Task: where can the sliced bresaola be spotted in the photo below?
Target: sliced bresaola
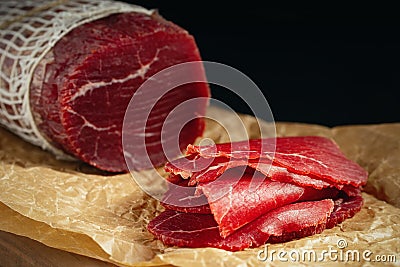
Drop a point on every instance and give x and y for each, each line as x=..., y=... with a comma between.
x=344, y=208
x=313, y=156
x=257, y=194
x=187, y=166
x=81, y=89
x=200, y=230
x=275, y=173
x=237, y=198
x=183, y=198
x=201, y=170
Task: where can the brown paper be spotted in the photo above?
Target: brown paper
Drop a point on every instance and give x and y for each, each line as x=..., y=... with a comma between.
x=74, y=207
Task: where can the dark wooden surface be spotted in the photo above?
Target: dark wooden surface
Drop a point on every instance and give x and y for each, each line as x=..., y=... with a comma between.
x=21, y=251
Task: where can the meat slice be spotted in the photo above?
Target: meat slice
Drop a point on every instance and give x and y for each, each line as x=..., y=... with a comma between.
x=275, y=173
x=313, y=156
x=254, y=197
x=182, y=198
x=200, y=230
x=81, y=89
x=236, y=199
x=239, y=195
x=234, y=204
x=202, y=170
x=187, y=166
x=344, y=208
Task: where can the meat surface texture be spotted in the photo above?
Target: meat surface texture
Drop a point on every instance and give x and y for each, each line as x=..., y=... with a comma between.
x=206, y=171
x=200, y=230
x=82, y=87
x=249, y=198
x=185, y=199
x=307, y=155
x=227, y=199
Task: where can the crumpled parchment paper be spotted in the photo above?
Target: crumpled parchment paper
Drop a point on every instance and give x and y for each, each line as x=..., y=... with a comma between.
x=73, y=207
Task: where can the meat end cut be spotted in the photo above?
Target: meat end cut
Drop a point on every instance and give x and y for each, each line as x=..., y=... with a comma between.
x=81, y=89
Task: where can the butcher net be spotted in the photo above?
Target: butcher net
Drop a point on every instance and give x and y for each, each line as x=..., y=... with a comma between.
x=29, y=29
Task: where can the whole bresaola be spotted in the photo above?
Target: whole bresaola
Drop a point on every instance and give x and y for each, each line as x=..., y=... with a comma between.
x=82, y=88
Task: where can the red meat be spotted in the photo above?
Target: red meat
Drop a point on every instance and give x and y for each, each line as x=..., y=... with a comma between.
x=254, y=197
x=200, y=230
x=226, y=199
x=260, y=196
x=344, y=208
x=182, y=198
x=81, y=89
x=201, y=170
x=236, y=201
x=313, y=156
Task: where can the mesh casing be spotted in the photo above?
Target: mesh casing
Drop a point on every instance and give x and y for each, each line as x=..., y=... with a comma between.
x=28, y=30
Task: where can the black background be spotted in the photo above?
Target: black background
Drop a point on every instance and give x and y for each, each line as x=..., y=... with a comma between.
x=330, y=65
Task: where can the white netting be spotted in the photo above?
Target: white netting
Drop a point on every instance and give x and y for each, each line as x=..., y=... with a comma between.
x=29, y=29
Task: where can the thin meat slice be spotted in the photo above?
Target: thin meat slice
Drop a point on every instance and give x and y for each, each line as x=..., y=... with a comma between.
x=176, y=179
x=202, y=170
x=351, y=191
x=315, y=194
x=194, y=230
x=238, y=198
x=200, y=230
x=189, y=165
x=236, y=204
x=306, y=231
x=344, y=208
x=283, y=175
x=81, y=90
x=266, y=167
x=185, y=199
x=256, y=196
x=306, y=155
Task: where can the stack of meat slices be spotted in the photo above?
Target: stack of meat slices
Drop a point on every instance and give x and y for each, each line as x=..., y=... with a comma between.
x=239, y=195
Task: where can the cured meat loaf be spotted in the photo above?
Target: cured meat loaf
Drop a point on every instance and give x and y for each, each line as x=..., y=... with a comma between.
x=81, y=88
